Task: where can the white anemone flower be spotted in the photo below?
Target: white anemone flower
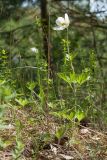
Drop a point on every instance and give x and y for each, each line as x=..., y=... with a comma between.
x=62, y=23
x=35, y=50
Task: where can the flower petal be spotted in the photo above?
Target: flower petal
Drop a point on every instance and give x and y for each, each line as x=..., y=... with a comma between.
x=67, y=21
x=60, y=21
x=58, y=28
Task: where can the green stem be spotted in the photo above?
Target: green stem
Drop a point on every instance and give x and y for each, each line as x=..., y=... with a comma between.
x=67, y=42
x=72, y=67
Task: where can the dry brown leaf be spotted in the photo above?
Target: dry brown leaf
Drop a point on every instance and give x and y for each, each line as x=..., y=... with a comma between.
x=66, y=157
x=84, y=131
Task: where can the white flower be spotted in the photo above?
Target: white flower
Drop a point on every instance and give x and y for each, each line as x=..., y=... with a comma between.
x=62, y=23
x=34, y=50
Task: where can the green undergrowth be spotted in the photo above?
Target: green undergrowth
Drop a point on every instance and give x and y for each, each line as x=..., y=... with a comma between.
x=46, y=111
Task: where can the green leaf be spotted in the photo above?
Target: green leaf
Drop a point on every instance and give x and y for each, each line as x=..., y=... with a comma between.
x=83, y=77
x=64, y=77
x=31, y=85
x=18, y=149
x=2, y=145
x=19, y=126
x=22, y=102
x=60, y=132
x=80, y=115
x=70, y=57
x=42, y=95
x=3, y=52
x=73, y=77
x=71, y=116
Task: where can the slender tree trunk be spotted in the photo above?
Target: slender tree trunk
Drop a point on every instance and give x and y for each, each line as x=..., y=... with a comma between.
x=46, y=35
x=44, y=20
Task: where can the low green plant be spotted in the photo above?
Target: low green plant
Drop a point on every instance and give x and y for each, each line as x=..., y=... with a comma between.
x=17, y=152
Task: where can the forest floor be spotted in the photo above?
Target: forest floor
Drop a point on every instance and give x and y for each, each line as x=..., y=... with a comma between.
x=79, y=143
